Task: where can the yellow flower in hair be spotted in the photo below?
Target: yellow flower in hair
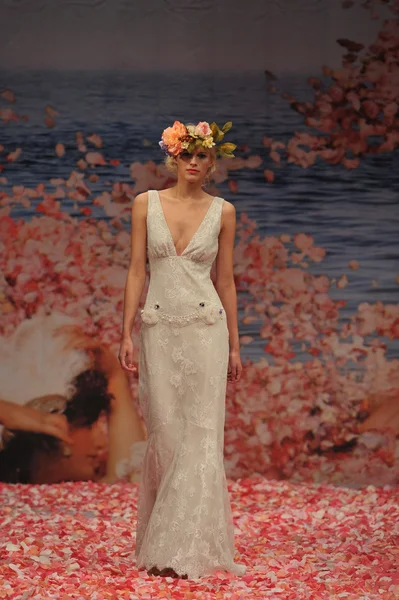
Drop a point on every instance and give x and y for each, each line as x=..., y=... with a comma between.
x=208, y=142
x=191, y=130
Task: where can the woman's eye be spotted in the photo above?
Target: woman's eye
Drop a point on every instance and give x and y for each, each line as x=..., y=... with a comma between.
x=202, y=155
x=185, y=154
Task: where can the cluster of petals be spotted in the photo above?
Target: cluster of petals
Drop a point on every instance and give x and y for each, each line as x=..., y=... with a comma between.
x=357, y=113
x=299, y=410
x=76, y=540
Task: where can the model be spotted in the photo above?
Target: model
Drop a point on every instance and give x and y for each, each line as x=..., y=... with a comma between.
x=189, y=347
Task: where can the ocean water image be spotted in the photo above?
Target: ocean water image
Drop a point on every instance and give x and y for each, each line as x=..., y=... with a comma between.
x=352, y=214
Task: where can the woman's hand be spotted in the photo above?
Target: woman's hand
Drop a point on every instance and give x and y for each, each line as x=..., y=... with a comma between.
x=126, y=356
x=55, y=425
x=235, y=367
x=25, y=418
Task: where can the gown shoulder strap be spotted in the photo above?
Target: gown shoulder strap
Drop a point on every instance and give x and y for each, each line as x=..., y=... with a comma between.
x=219, y=204
x=151, y=202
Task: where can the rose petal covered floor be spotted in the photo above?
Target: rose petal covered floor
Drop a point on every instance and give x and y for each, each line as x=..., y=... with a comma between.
x=76, y=540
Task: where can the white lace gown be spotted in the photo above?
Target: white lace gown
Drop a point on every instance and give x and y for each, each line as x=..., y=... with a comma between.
x=184, y=516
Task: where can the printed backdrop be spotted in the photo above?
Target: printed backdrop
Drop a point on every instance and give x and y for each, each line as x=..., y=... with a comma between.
x=311, y=88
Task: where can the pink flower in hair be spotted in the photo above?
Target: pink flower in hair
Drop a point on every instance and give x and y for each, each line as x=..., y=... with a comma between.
x=202, y=129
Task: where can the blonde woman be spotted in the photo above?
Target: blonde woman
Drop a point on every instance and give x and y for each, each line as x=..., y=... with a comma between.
x=189, y=346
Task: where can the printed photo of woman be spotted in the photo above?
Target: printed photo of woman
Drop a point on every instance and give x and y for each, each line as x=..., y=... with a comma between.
x=66, y=407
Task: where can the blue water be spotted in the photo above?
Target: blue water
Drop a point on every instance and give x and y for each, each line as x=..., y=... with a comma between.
x=352, y=214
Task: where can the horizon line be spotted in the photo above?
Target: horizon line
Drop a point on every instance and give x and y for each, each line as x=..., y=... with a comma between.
x=218, y=71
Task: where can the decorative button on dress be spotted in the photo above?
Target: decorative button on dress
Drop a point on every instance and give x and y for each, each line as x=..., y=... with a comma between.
x=184, y=516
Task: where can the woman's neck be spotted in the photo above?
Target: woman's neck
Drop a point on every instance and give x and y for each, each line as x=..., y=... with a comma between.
x=186, y=191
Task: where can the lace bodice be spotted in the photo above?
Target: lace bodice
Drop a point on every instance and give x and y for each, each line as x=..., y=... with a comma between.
x=179, y=283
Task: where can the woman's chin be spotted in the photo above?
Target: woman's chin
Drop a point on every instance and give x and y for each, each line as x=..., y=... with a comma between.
x=193, y=177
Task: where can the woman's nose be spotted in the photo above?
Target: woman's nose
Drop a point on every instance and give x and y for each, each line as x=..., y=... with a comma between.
x=102, y=454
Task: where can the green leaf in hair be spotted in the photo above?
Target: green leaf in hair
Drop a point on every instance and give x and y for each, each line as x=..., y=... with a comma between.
x=228, y=147
x=227, y=126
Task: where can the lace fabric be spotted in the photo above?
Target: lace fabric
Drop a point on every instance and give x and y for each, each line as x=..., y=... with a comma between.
x=184, y=516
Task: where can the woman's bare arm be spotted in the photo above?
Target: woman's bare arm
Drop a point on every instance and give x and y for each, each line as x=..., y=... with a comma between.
x=137, y=269
x=224, y=280
x=124, y=424
x=135, y=278
x=25, y=418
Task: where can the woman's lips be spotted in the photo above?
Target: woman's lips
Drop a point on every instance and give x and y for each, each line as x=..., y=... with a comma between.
x=192, y=170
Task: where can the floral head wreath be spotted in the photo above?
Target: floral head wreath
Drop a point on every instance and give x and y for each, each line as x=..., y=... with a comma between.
x=180, y=138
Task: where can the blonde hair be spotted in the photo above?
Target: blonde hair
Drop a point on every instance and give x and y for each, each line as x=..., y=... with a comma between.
x=170, y=162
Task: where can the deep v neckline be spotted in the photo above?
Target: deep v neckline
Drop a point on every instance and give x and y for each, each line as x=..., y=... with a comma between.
x=196, y=231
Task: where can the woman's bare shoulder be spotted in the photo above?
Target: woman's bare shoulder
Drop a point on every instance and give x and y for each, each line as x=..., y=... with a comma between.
x=141, y=199
x=140, y=205
x=228, y=208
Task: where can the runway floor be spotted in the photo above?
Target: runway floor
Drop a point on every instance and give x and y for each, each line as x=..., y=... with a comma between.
x=76, y=541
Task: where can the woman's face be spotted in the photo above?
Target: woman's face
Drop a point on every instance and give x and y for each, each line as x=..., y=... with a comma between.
x=89, y=453
x=193, y=167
